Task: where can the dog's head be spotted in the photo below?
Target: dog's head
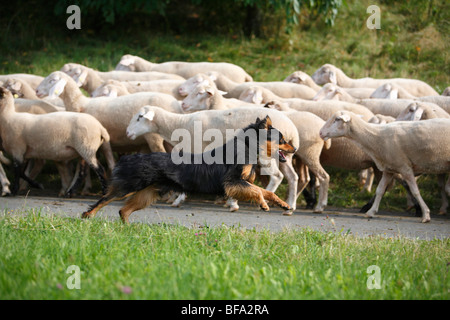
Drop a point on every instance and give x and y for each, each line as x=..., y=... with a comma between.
x=271, y=140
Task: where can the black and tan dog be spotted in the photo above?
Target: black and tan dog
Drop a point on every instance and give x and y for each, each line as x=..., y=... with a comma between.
x=143, y=178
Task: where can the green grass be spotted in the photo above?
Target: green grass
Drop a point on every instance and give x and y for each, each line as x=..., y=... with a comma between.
x=142, y=261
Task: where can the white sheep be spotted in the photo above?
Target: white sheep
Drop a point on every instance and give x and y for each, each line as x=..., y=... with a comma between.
x=393, y=108
x=234, y=90
x=330, y=73
x=58, y=136
x=308, y=126
x=206, y=96
x=32, y=79
x=405, y=148
x=113, y=113
x=90, y=79
x=441, y=101
x=391, y=91
x=301, y=77
x=185, y=69
x=420, y=111
x=342, y=154
x=119, y=88
x=154, y=119
x=21, y=89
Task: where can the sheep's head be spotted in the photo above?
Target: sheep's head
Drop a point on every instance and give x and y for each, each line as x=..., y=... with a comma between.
x=337, y=126
x=252, y=95
x=200, y=98
x=15, y=86
x=78, y=72
x=412, y=112
x=127, y=63
x=299, y=77
x=325, y=74
x=446, y=92
x=6, y=98
x=329, y=92
x=385, y=91
x=52, y=86
x=189, y=85
x=142, y=123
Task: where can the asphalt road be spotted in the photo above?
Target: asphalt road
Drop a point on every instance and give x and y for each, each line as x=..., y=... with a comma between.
x=198, y=213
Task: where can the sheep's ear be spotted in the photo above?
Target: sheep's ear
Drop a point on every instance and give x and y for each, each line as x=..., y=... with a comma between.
x=257, y=97
x=344, y=117
x=222, y=92
x=209, y=90
x=112, y=93
x=81, y=78
x=126, y=62
x=301, y=77
x=393, y=94
x=57, y=89
x=332, y=77
x=16, y=86
x=418, y=114
x=213, y=77
x=150, y=115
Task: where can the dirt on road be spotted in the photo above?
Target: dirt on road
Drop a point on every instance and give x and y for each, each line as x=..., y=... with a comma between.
x=199, y=213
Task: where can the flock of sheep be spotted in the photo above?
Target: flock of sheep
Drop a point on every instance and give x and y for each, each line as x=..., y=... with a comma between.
x=386, y=128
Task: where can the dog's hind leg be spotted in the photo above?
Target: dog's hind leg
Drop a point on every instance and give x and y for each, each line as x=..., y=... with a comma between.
x=140, y=200
x=110, y=196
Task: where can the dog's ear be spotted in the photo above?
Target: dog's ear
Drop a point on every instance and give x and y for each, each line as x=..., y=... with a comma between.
x=268, y=122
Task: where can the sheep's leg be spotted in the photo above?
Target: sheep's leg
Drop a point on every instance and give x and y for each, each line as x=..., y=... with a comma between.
x=410, y=179
x=303, y=176
x=324, y=181
x=444, y=204
x=77, y=178
x=64, y=173
x=19, y=173
x=276, y=177
x=4, y=182
x=292, y=179
x=381, y=189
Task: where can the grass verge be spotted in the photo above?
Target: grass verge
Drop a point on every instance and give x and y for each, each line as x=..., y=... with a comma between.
x=142, y=261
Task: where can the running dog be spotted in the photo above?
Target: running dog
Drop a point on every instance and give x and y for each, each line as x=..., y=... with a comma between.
x=143, y=178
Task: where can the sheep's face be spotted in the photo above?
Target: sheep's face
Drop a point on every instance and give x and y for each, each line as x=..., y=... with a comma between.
x=52, y=86
x=298, y=77
x=328, y=92
x=105, y=90
x=199, y=99
x=15, y=87
x=77, y=72
x=142, y=123
x=252, y=95
x=325, y=74
x=386, y=91
x=336, y=126
x=126, y=63
x=413, y=112
x=189, y=85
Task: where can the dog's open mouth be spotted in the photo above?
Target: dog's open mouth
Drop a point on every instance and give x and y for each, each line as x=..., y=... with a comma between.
x=281, y=156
